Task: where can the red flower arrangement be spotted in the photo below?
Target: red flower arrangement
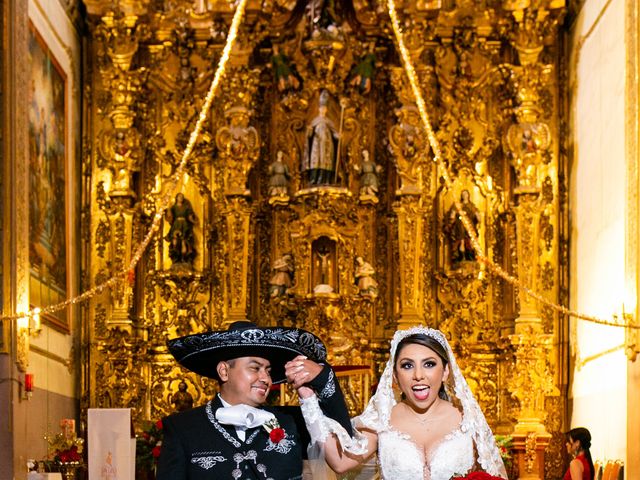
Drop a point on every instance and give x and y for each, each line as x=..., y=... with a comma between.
x=481, y=476
x=66, y=447
x=276, y=432
x=148, y=446
x=70, y=455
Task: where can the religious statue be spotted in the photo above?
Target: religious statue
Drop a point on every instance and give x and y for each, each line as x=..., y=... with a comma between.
x=186, y=74
x=364, y=71
x=123, y=164
x=282, y=279
x=367, y=286
x=368, y=176
x=321, y=146
x=201, y=7
x=182, y=400
x=323, y=19
x=459, y=238
x=278, y=177
x=239, y=148
x=283, y=71
x=180, y=237
x=528, y=143
x=323, y=263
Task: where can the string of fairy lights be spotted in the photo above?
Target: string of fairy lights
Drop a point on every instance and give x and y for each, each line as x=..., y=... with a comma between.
x=176, y=180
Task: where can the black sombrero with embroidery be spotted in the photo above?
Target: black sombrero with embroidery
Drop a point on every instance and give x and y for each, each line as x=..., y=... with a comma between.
x=201, y=352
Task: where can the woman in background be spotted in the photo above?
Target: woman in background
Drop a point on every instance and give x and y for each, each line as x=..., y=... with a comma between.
x=578, y=444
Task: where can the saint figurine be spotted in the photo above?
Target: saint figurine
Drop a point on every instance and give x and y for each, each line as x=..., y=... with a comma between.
x=364, y=72
x=459, y=238
x=324, y=19
x=368, y=176
x=283, y=71
x=282, y=279
x=278, y=177
x=182, y=400
x=367, y=286
x=321, y=146
x=180, y=237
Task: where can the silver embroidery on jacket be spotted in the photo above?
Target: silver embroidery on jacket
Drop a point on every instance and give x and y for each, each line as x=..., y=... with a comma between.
x=208, y=462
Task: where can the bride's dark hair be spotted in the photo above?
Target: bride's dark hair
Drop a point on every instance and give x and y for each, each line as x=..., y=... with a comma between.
x=431, y=343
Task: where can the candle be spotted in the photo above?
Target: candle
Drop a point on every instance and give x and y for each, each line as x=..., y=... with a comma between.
x=28, y=382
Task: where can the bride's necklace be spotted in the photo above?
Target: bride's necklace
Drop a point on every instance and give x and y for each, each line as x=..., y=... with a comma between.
x=425, y=418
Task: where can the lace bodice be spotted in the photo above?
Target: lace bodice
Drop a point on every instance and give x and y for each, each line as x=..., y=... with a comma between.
x=401, y=459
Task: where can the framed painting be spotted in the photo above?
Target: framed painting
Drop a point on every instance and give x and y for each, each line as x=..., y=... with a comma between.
x=49, y=158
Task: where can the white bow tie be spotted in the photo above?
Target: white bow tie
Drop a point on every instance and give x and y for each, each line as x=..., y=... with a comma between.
x=243, y=416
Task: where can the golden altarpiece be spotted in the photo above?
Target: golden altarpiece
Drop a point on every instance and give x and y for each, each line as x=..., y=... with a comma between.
x=312, y=198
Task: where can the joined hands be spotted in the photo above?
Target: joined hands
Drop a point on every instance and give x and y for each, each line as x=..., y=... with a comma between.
x=301, y=371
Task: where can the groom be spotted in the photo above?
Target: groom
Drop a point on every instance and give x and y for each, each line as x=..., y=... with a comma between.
x=235, y=436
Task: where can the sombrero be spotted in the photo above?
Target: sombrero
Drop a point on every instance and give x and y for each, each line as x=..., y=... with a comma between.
x=201, y=352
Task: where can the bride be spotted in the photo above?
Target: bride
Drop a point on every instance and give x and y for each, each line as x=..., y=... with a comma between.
x=433, y=429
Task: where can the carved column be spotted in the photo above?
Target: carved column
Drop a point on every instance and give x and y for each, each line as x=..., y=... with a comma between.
x=410, y=155
x=238, y=145
x=238, y=215
x=528, y=142
x=118, y=156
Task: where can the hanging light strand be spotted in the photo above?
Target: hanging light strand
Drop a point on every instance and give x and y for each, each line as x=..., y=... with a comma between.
x=468, y=226
x=174, y=181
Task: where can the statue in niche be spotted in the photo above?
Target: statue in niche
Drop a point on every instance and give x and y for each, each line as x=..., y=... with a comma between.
x=282, y=279
x=201, y=7
x=182, y=400
x=323, y=251
x=528, y=145
x=181, y=239
x=461, y=249
x=368, y=177
x=122, y=155
x=364, y=71
x=278, y=177
x=367, y=286
x=239, y=148
x=324, y=20
x=321, y=146
x=283, y=71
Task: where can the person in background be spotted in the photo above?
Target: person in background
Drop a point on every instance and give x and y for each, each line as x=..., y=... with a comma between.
x=578, y=445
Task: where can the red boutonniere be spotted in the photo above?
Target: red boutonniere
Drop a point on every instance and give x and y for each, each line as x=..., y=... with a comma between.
x=276, y=432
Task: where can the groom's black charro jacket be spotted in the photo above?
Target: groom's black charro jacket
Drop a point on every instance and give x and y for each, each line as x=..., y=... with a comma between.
x=197, y=447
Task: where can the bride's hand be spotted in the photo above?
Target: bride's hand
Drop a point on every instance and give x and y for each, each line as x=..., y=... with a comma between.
x=305, y=392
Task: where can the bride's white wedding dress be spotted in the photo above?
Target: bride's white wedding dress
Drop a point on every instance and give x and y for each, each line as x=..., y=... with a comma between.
x=401, y=459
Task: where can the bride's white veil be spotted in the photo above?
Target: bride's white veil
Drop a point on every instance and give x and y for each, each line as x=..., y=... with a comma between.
x=376, y=415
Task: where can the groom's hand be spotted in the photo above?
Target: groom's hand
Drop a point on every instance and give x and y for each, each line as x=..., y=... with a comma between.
x=301, y=371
